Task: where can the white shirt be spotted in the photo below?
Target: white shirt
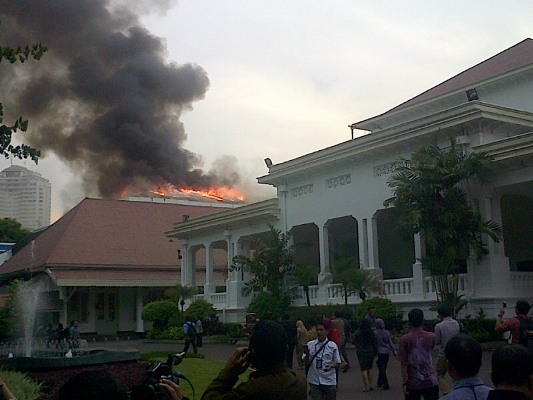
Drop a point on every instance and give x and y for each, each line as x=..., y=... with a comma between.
x=328, y=356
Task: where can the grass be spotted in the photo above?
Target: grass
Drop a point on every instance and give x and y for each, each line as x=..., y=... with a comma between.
x=22, y=387
x=199, y=371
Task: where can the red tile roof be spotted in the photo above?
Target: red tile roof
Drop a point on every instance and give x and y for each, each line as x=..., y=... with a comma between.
x=107, y=233
x=514, y=58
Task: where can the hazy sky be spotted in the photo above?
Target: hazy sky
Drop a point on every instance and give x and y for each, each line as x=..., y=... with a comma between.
x=288, y=77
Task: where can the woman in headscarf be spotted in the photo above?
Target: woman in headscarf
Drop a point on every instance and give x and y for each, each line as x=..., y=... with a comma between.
x=302, y=337
x=385, y=345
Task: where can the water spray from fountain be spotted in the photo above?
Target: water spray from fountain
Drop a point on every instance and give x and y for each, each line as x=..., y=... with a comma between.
x=26, y=301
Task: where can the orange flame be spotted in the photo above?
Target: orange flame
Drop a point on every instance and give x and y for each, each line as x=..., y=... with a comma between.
x=219, y=194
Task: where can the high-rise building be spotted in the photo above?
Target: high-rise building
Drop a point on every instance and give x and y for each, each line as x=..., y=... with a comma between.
x=25, y=196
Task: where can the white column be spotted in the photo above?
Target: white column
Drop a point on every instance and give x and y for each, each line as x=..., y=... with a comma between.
x=139, y=304
x=234, y=284
x=492, y=277
x=186, y=261
x=324, y=276
x=418, y=290
x=209, y=286
x=362, y=231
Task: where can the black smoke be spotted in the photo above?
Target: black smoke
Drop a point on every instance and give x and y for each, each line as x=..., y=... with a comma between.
x=103, y=98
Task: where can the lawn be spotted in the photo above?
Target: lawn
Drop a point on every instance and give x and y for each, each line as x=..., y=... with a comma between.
x=199, y=371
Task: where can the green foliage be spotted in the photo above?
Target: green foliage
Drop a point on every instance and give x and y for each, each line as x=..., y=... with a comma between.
x=11, y=231
x=22, y=387
x=168, y=333
x=9, y=324
x=233, y=330
x=201, y=308
x=429, y=198
x=13, y=55
x=385, y=309
x=270, y=305
x=302, y=275
x=180, y=293
x=347, y=272
x=160, y=313
x=272, y=261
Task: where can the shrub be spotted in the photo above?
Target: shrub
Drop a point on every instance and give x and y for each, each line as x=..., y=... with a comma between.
x=234, y=330
x=269, y=306
x=160, y=313
x=385, y=309
x=200, y=308
x=170, y=333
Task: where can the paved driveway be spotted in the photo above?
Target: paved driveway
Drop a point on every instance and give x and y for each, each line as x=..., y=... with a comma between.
x=350, y=383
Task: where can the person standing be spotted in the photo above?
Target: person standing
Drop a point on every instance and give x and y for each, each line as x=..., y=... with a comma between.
x=272, y=379
x=371, y=315
x=302, y=338
x=418, y=373
x=340, y=325
x=444, y=331
x=199, y=332
x=189, y=328
x=463, y=361
x=366, y=344
x=384, y=346
x=74, y=334
x=513, y=325
x=290, y=331
x=322, y=358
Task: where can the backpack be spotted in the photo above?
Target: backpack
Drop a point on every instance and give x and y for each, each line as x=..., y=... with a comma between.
x=526, y=331
x=191, y=332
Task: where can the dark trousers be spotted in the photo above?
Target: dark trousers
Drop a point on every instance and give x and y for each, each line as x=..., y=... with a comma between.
x=431, y=393
x=382, y=361
x=290, y=354
x=189, y=341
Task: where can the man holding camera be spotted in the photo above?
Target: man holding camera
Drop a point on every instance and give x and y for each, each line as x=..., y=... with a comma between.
x=272, y=378
x=513, y=325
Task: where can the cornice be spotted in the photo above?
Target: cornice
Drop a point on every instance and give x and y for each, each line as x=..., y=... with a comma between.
x=250, y=214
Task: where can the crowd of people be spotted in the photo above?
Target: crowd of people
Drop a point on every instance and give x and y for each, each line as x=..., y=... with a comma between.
x=320, y=349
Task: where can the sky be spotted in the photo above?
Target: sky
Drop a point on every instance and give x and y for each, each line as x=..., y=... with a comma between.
x=286, y=78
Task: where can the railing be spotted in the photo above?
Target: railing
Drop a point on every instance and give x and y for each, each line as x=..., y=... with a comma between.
x=218, y=299
x=522, y=280
x=462, y=284
x=393, y=287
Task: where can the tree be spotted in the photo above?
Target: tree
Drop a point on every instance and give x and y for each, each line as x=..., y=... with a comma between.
x=11, y=231
x=180, y=293
x=353, y=279
x=271, y=263
x=429, y=196
x=303, y=275
x=12, y=55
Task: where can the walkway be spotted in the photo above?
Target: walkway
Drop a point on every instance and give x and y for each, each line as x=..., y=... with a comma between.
x=350, y=385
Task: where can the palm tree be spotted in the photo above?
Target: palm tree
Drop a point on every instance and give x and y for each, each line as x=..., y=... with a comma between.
x=429, y=196
x=353, y=279
x=180, y=293
x=302, y=275
x=272, y=261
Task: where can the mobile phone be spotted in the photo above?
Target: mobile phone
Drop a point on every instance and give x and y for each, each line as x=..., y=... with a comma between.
x=504, y=304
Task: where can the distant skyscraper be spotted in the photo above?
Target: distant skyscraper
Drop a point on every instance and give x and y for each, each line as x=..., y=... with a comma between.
x=25, y=196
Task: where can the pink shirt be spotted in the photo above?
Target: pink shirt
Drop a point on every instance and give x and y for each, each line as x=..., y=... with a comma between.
x=415, y=351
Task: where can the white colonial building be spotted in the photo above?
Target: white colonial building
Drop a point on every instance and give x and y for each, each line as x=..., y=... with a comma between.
x=332, y=200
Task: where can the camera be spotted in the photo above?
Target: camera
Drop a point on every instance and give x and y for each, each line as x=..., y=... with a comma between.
x=150, y=389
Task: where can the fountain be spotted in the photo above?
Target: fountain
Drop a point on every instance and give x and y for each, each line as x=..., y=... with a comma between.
x=31, y=354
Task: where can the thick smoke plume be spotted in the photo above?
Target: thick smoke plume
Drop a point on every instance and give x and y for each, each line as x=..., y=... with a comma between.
x=103, y=98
